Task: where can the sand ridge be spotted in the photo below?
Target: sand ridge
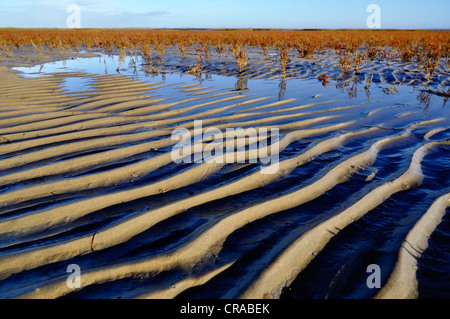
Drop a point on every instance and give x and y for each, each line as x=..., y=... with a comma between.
x=85, y=174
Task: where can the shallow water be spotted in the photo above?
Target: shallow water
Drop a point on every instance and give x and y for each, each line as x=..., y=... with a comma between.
x=226, y=268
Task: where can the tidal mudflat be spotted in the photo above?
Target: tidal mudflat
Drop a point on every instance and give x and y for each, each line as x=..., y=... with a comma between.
x=88, y=178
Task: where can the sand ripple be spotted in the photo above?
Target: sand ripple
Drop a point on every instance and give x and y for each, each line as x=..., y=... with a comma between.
x=87, y=178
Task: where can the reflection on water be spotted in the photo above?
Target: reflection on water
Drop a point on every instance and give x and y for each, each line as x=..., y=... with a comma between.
x=426, y=94
x=351, y=89
x=425, y=99
x=129, y=65
x=282, y=88
x=241, y=84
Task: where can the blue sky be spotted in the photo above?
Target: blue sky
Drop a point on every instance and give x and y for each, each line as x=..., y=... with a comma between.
x=290, y=14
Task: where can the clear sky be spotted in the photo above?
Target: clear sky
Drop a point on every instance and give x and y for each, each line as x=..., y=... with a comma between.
x=289, y=14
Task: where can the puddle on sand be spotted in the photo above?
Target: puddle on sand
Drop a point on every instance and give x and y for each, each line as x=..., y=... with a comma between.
x=303, y=90
x=375, y=238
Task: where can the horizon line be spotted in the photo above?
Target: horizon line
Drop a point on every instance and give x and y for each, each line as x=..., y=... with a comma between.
x=230, y=29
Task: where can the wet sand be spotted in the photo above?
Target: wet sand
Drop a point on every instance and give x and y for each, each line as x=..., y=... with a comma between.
x=88, y=178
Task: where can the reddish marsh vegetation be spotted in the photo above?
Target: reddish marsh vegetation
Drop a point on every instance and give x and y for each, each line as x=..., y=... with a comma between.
x=354, y=47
